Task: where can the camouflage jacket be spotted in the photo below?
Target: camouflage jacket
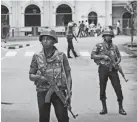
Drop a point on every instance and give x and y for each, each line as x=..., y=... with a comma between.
x=104, y=49
x=50, y=67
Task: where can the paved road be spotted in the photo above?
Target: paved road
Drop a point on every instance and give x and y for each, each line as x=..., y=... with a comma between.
x=17, y=89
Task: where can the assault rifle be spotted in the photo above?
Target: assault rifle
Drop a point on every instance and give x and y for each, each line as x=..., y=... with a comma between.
x=118, y=67
x=60, y=94
x=113, y=62
x=54, y=88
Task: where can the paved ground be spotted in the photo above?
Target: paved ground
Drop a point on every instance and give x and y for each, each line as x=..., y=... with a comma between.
x=17, y=89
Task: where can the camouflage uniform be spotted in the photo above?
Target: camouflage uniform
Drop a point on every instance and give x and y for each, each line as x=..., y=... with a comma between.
x=107, y=70
x=50, y=67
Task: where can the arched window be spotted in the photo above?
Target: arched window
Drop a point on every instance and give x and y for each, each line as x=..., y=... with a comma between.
x=63, y=15
x=92, y=18
x=4, y=15
x=126, y=20
x=4, y=21
x=32, y=16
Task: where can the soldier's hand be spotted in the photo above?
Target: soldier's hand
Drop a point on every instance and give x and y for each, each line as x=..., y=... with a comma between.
x=115, y=65
x=42, y=78
x=106, y=57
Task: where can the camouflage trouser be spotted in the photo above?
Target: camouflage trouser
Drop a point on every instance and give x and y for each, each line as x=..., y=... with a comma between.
x=44, y=108
x=104, y=74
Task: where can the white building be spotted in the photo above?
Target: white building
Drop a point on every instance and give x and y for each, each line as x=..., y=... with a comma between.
x=23, y=15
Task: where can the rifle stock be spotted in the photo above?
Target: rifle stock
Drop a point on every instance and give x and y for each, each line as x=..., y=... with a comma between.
x=121, y=72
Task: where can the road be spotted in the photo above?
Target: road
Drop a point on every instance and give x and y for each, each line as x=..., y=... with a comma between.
x=20, y=95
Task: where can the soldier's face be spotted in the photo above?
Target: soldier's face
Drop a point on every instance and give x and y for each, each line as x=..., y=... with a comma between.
x=108, y=38
x=47, y=41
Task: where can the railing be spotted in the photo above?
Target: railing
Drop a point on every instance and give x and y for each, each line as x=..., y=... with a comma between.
x=34, y=30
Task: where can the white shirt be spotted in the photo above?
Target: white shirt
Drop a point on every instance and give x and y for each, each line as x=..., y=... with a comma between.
x=86, y=24
x=118, y=24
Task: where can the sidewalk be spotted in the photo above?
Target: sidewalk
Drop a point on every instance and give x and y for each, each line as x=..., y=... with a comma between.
x=133, y=48
x=18, y=42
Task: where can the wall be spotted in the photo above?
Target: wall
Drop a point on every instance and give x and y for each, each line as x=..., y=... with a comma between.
x=83, y=8
x=117, y=13
x=104, y=10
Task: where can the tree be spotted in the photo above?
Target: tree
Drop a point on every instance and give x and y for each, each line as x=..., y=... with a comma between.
x=132, y=8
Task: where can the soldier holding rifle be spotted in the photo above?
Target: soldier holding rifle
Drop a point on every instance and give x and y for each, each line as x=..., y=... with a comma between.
x=108, y=57
x=51, y=74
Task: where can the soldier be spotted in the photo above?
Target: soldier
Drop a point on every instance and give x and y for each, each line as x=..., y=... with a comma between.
x=107, y=69
x=51, y=74
x=70, y=36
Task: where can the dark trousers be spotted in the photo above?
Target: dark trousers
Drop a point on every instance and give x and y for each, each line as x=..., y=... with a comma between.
x=86, y=31
x=44, y=108
x=104, y=74
x=70, y=47
x=79, y=31
x=118, y=30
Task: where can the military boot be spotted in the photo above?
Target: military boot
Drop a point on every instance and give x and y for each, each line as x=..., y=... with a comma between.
x=104, y=110
x=121, y=110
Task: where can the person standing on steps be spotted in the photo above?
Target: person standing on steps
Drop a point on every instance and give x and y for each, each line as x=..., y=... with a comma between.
x=101, y=54
x=70, y=35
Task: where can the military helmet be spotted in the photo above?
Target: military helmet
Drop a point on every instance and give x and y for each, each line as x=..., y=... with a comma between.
x=108, y=32
x=48, y=32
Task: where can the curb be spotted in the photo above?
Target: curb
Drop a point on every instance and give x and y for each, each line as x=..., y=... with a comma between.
x=15, y=47
x=133, y=51
x=132, y=45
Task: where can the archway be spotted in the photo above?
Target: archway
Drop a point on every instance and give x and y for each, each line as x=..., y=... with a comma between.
x=92, y=17
x=32, y=19
x=126, y=20
x=32, y=16
x=4, y=21
x=63, y=15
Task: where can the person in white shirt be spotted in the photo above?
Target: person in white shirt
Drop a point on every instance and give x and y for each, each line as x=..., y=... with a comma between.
x=118, y=27
x=92, y=25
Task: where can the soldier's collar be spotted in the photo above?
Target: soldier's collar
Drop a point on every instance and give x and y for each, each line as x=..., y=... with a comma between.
x=108, y=45
x=52, y=53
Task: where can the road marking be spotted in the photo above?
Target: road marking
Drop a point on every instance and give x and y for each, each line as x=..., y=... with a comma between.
x=11, y=53
x=124, y=54
x=29, y=53
x=3, y=58
x=84, y=54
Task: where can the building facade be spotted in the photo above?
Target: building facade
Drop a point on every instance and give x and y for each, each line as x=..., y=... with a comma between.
x=25, y=16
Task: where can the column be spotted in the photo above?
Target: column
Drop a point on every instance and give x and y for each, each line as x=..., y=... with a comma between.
x=108, y=12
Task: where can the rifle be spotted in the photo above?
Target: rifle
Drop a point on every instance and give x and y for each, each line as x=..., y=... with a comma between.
x=118, y=67
x=60, y=94
x=54, y=88
x=67, y=104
